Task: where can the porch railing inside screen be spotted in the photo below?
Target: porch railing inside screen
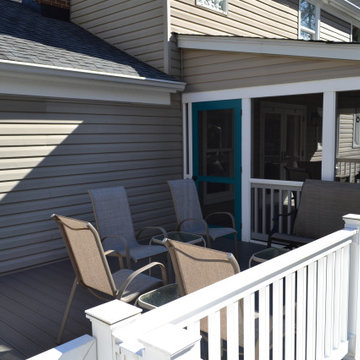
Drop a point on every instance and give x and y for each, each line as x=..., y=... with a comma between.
x=295, y=307
x=348, y=169
x=268, y=199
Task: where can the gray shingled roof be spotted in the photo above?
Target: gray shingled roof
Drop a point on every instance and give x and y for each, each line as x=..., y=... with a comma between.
x=28, y=37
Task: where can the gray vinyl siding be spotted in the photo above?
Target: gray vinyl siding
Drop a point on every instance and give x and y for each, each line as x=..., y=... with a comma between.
x=136, y=27
x=346, y=132
x=334, y=29
x=52, y=152
x=258, y=18
x=215, y=70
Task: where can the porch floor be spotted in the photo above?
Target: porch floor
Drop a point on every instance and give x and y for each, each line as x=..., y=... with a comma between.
x=32, y=304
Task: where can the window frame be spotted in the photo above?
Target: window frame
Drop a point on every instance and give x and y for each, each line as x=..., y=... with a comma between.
x=356, y=130
x=201, y=3
x=316, y=32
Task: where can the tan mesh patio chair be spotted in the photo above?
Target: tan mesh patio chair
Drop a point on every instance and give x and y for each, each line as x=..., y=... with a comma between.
x=92, y=270
x=189, y=215
x=196, y=267
x=114, y=223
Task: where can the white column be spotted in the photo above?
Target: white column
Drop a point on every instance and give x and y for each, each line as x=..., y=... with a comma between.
x=328, y=136
x=246, y=169
x=105, y=319
x=352, y=222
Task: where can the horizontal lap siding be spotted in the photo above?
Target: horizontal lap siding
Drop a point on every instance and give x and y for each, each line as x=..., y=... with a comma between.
x=257, y=18
x=51, y=153
x=334, y=29
x=136, y=27
x=216, y=70
x=346, y=131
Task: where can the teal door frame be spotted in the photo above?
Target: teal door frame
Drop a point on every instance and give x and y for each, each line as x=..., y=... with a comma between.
x=236, y=180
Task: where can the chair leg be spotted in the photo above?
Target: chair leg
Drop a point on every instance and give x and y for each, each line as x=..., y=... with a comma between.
x=236, y=246
x=67, y=311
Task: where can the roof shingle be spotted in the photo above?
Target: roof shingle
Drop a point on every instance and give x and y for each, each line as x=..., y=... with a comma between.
x=28, y=37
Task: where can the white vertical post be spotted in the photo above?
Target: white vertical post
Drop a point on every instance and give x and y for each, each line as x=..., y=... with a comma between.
x=352, y=222
x=105, y=319
x=328, y=136
x=246, y=169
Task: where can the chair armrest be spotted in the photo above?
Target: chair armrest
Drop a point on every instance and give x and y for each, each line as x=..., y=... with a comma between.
x=291, y=240
x=228, y=214
x=131, y=277
x=113, y=252
x=275, y=228
x=202, y=221
x=158, y=228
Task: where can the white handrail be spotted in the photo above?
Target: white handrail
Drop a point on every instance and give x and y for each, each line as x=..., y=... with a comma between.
x=188, y=310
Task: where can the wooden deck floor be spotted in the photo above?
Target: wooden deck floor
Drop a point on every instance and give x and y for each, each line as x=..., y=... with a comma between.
x=32, y=304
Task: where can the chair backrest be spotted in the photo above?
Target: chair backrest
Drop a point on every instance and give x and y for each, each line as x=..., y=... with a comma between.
x=322, y=205
x=86, y=254
x=185, y=199
x=196, y=267
x=112, y=214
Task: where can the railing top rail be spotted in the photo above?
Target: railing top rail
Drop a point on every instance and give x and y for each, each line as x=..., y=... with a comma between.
x=276, y=183
x=202, y=302
x=348, y=160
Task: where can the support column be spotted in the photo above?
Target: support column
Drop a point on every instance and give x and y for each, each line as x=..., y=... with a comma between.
x=329, y=136
x=246, y=153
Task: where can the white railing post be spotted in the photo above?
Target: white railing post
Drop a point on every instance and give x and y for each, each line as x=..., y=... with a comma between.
x=170, y=342
x=105, y=319
x=352, y=222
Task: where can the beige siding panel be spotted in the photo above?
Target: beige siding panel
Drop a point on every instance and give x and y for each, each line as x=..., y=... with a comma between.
x=333, y=28
x=244, y=18
x=52, y=152
x=136, y=27
x=204, y=71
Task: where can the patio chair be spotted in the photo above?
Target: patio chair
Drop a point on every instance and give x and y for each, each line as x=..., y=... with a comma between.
x=189, y=215
x=92, y=270
x=196, y=267
x=114, y=223
x=320, y=211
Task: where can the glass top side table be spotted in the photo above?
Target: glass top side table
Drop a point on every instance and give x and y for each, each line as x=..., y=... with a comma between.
x=158, y=297
x=178, y=236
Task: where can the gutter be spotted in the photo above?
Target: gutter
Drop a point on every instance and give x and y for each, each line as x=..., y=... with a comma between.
x=55, y=71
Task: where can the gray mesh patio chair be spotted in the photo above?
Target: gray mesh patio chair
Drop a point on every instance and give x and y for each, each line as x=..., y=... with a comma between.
x=114, y=223
x=189, y=215
x=92, y=270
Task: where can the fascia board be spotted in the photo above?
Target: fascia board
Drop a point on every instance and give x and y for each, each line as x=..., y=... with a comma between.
x=34, y=80
x=272, y=47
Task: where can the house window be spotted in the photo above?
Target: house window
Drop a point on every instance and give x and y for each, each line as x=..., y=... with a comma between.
x=309, y=18
x=355, y=34
x=216, y=5
x=356, y=131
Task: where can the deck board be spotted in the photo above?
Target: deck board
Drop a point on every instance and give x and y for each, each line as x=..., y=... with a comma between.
x=32, y=304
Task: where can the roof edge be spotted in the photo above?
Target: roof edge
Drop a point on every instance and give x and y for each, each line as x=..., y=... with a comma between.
x=44, y=81
x=301, y=48
x=48, y=70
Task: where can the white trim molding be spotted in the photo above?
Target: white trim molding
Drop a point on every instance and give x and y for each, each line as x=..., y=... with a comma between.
x=303, y=48
x=37, y=80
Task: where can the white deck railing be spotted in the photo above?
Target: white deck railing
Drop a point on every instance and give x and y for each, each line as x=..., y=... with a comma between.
x=268, y=199
x=296, y=306
x=348, y=169
x=304, y=304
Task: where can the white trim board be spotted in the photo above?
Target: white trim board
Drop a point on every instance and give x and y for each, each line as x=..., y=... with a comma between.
x=303, y=48
x=33, y=80
x=298, y=88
